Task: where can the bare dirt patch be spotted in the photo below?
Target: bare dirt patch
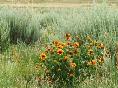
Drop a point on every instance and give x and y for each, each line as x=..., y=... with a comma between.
x=47, y=5
x=50, y=5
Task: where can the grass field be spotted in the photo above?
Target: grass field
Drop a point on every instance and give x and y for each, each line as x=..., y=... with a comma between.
x=47, y=47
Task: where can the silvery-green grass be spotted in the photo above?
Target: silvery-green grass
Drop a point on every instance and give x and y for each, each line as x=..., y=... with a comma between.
x=26, y=30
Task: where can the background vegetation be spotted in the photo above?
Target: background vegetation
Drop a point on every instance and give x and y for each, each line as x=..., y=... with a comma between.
x=24, y=31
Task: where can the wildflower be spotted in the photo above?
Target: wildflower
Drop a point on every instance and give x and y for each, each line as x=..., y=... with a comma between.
x=56, y=42
x=76, y=44
x=66, y=58
x=60, y=51
x=75, y=51
x=90, y=52
x=68, y=36
x=72, y=65
x=50, y=50
x=43, y=56
x=64, y=44
x=89, y=63
x=93, y=62
x=100, y=46
x=68, y=43
x=101, y=59
x=60, y=46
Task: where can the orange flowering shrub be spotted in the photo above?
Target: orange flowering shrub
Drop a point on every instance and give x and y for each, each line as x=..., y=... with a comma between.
x=73, y=58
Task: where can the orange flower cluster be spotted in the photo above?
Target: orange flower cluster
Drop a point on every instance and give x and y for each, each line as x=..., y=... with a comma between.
x=43, y=56
x=76, y=44
x=100, y=46
x=92, y=62
x=49, y=49
x=68, y=37
x=59, y=44
x=68, y=43
x=60, y=51
x=72, y=65
x=70, y=56
x=56, y=42
x=100, y=59
x=94, y=43
x=66, y=58
x=90, y=52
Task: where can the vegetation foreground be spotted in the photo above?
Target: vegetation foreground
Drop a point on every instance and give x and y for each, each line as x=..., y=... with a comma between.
x=59, y=47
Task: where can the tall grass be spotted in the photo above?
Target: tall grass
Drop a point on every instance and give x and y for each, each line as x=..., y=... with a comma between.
x=29, y=23
x=22, y=26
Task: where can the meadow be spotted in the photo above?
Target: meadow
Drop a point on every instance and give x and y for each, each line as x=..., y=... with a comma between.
x=59, y=47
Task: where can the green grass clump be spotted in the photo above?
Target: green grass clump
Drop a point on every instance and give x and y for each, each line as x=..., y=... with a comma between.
x=4, y=35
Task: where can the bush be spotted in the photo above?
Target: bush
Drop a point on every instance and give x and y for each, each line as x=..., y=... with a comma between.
x=73, y=59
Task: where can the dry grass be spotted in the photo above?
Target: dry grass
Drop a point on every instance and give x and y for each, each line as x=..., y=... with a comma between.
x=35, y=1
x=47, y=5
x=117, y=54
x=68, y=5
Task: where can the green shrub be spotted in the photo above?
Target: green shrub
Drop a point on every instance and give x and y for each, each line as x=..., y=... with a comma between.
x=72, y=60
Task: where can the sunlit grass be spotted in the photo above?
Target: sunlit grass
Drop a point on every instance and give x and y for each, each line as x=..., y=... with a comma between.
x=24, y=33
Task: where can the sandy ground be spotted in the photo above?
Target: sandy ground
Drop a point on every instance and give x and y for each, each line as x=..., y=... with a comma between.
x=62, y=5
x=46, y=5
x=49, y=5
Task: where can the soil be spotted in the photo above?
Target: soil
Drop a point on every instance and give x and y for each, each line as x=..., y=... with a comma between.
x=50, y=5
